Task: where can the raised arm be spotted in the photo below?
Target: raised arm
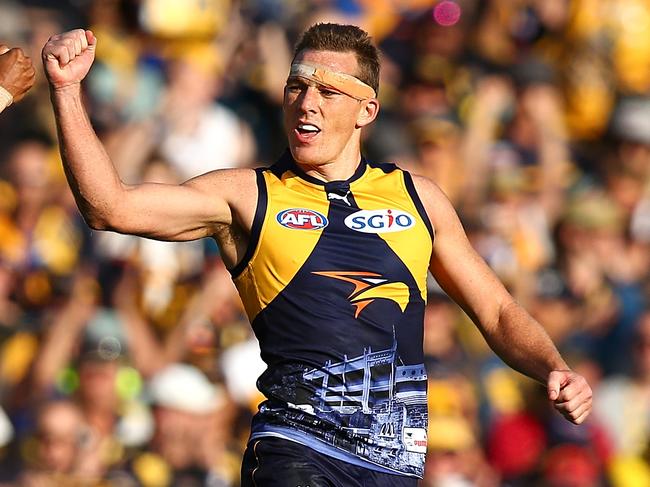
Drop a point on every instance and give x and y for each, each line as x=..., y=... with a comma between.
x=17, y=75
x=509, y=330
x=168, y=212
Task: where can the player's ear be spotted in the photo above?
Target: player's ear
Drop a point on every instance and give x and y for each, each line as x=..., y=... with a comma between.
x=368, y=112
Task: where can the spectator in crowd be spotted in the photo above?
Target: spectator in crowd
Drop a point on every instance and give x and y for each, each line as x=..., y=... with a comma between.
x=623, y=402
x=191, y=426
x=62, y=451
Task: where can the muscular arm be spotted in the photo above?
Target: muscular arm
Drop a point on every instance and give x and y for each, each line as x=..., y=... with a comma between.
x=167, y=212
x=509, y=330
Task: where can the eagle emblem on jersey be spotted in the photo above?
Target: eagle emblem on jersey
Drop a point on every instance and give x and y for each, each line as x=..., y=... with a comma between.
x=369, y=286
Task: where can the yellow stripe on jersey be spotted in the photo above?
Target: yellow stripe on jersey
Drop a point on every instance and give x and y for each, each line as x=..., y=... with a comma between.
x=273, y=266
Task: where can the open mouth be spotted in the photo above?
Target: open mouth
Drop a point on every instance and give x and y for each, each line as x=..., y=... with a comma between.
x=307, y=131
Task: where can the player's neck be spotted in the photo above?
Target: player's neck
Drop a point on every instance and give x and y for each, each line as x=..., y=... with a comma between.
x=333, y=171
x=341, y=168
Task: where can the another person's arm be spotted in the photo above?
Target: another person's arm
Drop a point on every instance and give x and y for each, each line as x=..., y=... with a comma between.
x=167, y=212
x=509, y=330
x=64, y=334
x=494, y=94
x=17, y=75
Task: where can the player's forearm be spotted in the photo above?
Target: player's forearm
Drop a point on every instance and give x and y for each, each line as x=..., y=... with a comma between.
x=523, y=344
x=90, y=172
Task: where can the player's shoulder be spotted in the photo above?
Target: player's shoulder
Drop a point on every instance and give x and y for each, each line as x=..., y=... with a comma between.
x=427, y=188
x=434, y=200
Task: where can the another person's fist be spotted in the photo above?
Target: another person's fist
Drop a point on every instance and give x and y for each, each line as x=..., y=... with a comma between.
x=17, y=73
x=570, y=394
x=67, y=57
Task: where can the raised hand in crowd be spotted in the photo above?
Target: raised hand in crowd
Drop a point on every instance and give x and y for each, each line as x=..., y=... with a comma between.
x=17, y=75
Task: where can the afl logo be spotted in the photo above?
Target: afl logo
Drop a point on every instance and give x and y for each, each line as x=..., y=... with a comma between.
x=379, y=221
x=301, y=219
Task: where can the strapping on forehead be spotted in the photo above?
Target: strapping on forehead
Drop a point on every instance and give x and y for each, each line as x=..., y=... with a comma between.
x=324, y=76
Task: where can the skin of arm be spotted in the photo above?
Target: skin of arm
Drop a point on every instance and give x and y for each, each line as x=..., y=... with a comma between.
x=544, y=106
x=509, y=330
x=17, y=73
x=194, y=209
x=493, y=95
x=63, y=335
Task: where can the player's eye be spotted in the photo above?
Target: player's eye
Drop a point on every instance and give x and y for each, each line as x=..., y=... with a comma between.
x=294, y=87
x=328, y=93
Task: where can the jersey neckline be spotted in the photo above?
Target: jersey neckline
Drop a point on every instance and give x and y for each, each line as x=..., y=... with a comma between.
x=295, y=168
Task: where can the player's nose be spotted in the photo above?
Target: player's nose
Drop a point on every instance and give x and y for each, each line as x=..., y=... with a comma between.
x=309, y=99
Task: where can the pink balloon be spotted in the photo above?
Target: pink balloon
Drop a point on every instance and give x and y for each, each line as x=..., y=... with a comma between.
x=447, y=13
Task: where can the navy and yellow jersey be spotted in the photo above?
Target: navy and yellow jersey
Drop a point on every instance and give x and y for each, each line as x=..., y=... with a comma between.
x=334, y=284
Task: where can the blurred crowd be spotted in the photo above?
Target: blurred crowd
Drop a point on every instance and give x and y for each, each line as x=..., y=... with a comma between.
x=129, y=362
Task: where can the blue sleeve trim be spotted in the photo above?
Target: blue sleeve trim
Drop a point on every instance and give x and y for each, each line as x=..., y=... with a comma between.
x=258, y=221
x=410, y=187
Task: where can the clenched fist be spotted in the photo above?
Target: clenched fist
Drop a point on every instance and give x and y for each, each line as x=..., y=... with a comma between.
x=67, y=57
x=16, y=72
x=570, y=394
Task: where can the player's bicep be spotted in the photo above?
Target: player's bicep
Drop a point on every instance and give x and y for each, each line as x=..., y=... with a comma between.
x=177, y=212
x=169, y=212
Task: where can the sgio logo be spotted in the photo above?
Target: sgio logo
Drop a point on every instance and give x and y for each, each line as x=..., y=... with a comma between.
x=301, y=219
x=379, y=221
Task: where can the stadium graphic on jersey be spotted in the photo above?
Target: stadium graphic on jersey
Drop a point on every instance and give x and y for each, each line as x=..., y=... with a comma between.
x=366, y=405
x=338, y=313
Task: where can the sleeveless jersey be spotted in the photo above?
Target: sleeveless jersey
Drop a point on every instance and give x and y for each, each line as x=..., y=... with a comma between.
x=334, y=285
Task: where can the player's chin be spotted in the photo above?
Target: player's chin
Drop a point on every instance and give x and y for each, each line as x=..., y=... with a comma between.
x=308, y=155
